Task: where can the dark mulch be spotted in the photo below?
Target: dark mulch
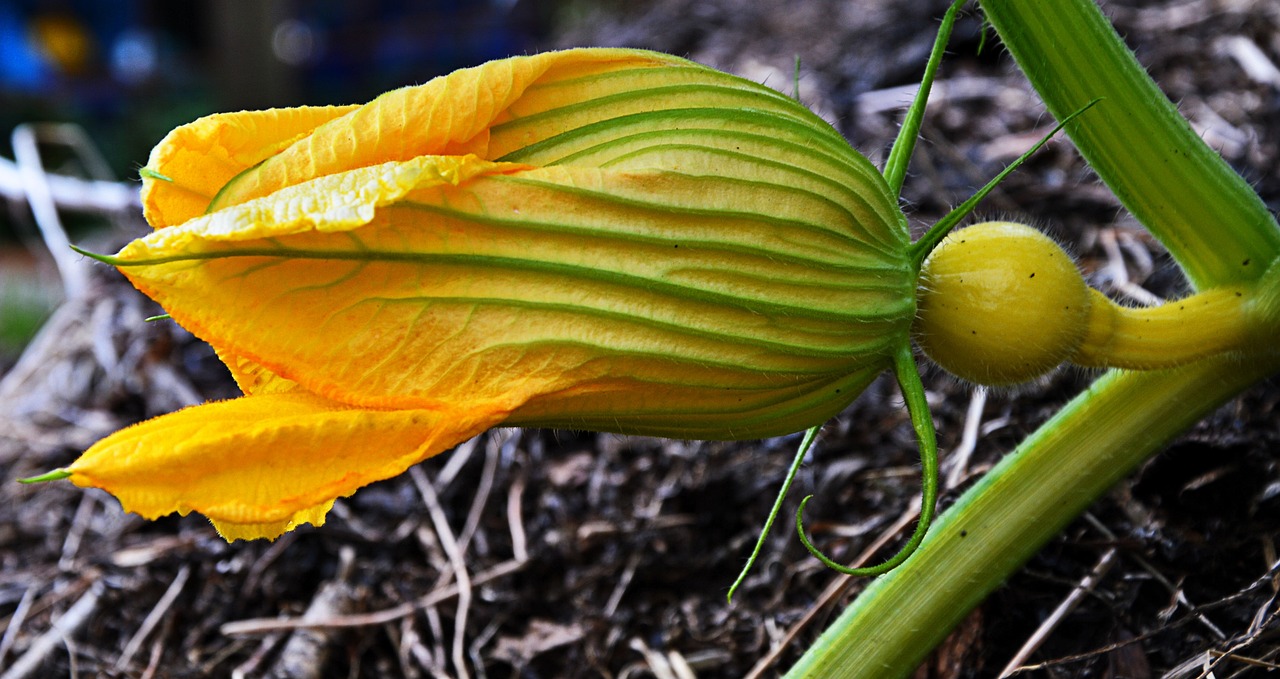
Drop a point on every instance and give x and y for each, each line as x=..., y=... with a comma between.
x=599, y=555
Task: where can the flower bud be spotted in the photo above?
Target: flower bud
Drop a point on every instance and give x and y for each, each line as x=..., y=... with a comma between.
x=602, y=239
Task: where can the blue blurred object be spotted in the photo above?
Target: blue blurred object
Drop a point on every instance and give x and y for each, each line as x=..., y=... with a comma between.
x=130, y=70
x=336, y=48
x=22, y=66
x=365, y=48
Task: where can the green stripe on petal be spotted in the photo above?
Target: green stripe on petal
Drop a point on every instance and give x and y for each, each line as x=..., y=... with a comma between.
x=560, y=298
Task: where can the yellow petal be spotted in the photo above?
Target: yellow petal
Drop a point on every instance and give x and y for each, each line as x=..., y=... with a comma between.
x=645, y=301
x=253, y=378
x=195, y=160
x=259, y=465
x=449, y=115
x=662, y=249
x=271, y=529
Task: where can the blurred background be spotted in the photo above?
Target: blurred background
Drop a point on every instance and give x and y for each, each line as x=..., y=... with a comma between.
x=130, y=70
x=127, y=72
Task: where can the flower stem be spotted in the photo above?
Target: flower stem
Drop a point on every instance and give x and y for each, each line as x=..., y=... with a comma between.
x=1095, y=441
x=1175, y=333
x=1208, y=217
x=1216, y=228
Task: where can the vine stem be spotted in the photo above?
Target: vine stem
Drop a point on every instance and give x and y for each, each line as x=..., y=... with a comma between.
x=1217, y=229
x=1209, y=218
x=1096, y=440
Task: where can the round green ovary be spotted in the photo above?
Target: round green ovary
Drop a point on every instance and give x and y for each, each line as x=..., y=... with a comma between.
x=1000, y=303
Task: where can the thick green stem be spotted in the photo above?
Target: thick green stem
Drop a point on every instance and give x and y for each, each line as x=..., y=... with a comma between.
x=1209, y=218
x=1095, y=441
x=1216, y=228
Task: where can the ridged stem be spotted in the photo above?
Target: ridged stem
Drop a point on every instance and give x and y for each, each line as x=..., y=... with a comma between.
x=1208, y=217
x=1216, y=228
x=1095, y=441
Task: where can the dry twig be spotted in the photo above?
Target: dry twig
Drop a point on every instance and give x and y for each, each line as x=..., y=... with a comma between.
x=1068, y=604
x=153, y=618
x=457, y=562
x=61, y=630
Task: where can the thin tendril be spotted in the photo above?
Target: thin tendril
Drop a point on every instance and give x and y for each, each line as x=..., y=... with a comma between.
x=805, y=444
x=105, y=259
x=922, y=421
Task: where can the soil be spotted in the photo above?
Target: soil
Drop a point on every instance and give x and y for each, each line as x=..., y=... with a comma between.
x=588, y=554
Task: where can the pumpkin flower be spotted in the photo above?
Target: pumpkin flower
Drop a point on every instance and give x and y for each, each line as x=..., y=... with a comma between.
x=602, y=239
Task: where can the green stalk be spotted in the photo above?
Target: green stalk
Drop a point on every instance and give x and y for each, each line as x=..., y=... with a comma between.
x=1095, y=441
x=1208, y=217
x=895, y=167
x=1216, y=228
